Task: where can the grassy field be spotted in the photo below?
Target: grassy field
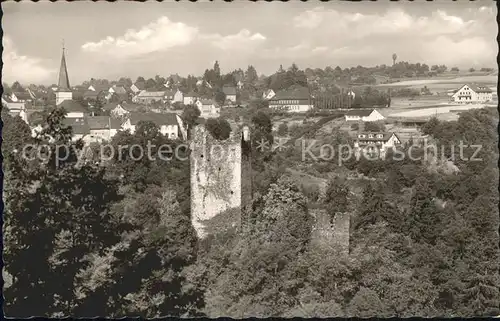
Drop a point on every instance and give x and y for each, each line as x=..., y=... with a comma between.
x=443, y=84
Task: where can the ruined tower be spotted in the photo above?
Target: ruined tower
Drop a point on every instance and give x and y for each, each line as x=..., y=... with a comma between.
x=220, y=175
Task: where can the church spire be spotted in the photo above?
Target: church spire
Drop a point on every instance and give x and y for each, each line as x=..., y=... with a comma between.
x=63, y=74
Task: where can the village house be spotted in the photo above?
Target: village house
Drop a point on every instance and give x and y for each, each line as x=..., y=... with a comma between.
x=268, y=94
x=169, y=95
x=375, y=142
x=149, y=97
x=118, y=93
x=472, y=93
x=298, y=100
x=190, y=98
x=15, y=108
x=178, y=96
x=171, y=125
x=21, y=96
x=230, y=93
x=102, y=128
x=73, y=109
x=207, y=108
x=118, y=90
x=117, y=110
x=79, y=127
x=364, y=115
x=138, y=87
x=93, y=95
x=99, y=88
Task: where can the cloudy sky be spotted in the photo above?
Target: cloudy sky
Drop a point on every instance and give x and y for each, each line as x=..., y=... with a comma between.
x=109, y=40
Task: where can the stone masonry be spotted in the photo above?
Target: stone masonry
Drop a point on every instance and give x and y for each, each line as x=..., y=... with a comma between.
x=220, y=175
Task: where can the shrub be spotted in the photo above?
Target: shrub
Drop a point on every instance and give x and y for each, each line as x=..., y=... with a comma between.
x=219, y=128
x=283, y=129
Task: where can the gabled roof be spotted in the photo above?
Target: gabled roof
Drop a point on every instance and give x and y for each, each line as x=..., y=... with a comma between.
x=229, y=90
x=22, y=95
x=152, y=94
x=479, y=88
x=191, y=94
x=140, y=85
x=99, y=88
x=99, y=122
x=119, y=90
x=121, y=97
x=386, y=136
x=158, y=119
x=360, y=112
x=103, y=122
x=298, y=93
x=72, y=106
x=78, y=125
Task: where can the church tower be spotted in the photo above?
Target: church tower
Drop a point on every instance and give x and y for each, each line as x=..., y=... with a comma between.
x=63, y=88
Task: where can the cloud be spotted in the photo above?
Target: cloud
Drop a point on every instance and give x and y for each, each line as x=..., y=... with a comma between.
x=241, y=40
x=160, y=35
x=414, y=36
x=163, y=35
x=24, y=69
x=395, y=21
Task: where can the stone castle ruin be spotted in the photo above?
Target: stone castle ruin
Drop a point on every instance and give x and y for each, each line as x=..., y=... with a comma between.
x=221, y=182
x=220, y=175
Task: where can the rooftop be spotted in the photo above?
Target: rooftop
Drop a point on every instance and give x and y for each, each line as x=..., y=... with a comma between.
x=103, y=122
x=229, y=90
x=158, y=119
x=72, y=106
x=298, y=93
x=479, y=88
x=359, y=112
x=78, y=125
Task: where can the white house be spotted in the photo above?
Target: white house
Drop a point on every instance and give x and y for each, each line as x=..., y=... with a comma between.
x=472, y=94
x=375, y=142
x=230, y=92
x=118, y=90
x=295, y=101
x=207, y=108
x=365, y=115
x=178, y=96
x=268, y=94
x=190, y=98
x=102, y=128
x=15, y=108
x=170, y=124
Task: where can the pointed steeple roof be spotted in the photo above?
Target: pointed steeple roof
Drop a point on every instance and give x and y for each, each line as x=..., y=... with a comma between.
x=63, y=84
